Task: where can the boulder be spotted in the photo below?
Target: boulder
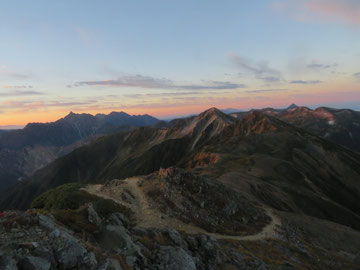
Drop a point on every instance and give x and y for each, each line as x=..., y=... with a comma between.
x=175, y=237
x=71, y=255
x=88, y=262
x=93, y=216
x=110, y=264
x=118, y=219
x=117, y=237
x=56, y=230
x=174, y=258
x=45, y=252
x=192, y=242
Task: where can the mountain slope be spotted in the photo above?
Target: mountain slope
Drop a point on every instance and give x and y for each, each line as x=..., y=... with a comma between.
x=267, y=160
x=72, y=128
x=140, y=151
x=341, y=126
x=24, y=151
x=288, y=168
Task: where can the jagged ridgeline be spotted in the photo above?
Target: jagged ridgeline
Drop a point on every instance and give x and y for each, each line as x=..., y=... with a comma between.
x=341, y=126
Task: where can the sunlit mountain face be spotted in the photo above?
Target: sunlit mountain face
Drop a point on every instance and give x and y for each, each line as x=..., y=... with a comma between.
x=179, y=135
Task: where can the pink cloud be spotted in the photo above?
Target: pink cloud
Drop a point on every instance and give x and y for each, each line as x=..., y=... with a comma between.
x=6, y=86
x=343, y=11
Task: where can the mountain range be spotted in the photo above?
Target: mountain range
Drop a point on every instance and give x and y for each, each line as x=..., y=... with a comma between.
x=263, y=189
x=269, y=155
x=341, y=126
x=26, y=150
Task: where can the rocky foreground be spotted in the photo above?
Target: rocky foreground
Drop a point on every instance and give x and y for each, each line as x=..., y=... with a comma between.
x=31, y=240
x=34, y=241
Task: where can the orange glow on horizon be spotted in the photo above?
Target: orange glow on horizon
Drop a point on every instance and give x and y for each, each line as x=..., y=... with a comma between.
x=162, y=112
x=301, y=95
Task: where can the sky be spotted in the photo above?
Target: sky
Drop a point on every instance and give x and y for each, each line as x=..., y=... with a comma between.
x=169, y=58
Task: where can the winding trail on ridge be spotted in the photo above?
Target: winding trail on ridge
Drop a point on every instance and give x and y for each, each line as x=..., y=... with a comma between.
x=129, y=193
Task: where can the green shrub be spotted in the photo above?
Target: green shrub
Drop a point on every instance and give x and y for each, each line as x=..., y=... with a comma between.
x=77, y=220
x=68, y=196
x=65, y=202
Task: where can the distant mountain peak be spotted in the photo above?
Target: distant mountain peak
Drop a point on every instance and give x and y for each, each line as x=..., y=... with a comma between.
x=231, y=110
x=73, y=115
x=215, y=113
x=70, y=115
x=292, y=106
x=113, y=113
x=76, y=117
x=212, y=110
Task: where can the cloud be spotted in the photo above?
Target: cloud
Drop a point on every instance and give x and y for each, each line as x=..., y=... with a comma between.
x=140, y=81
x=271, y=79
x=265, y=90
x=18, y=93
x=8, y=73
x=340, y=11
x=357, y=76
x=172, y=94
x=135, y=96
x=260, y=70
x=305, y=82
x=20, y=75
x=6, y=86
x=68, y=104
x=212, y=85
x=21, y=106
x=321, y=66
